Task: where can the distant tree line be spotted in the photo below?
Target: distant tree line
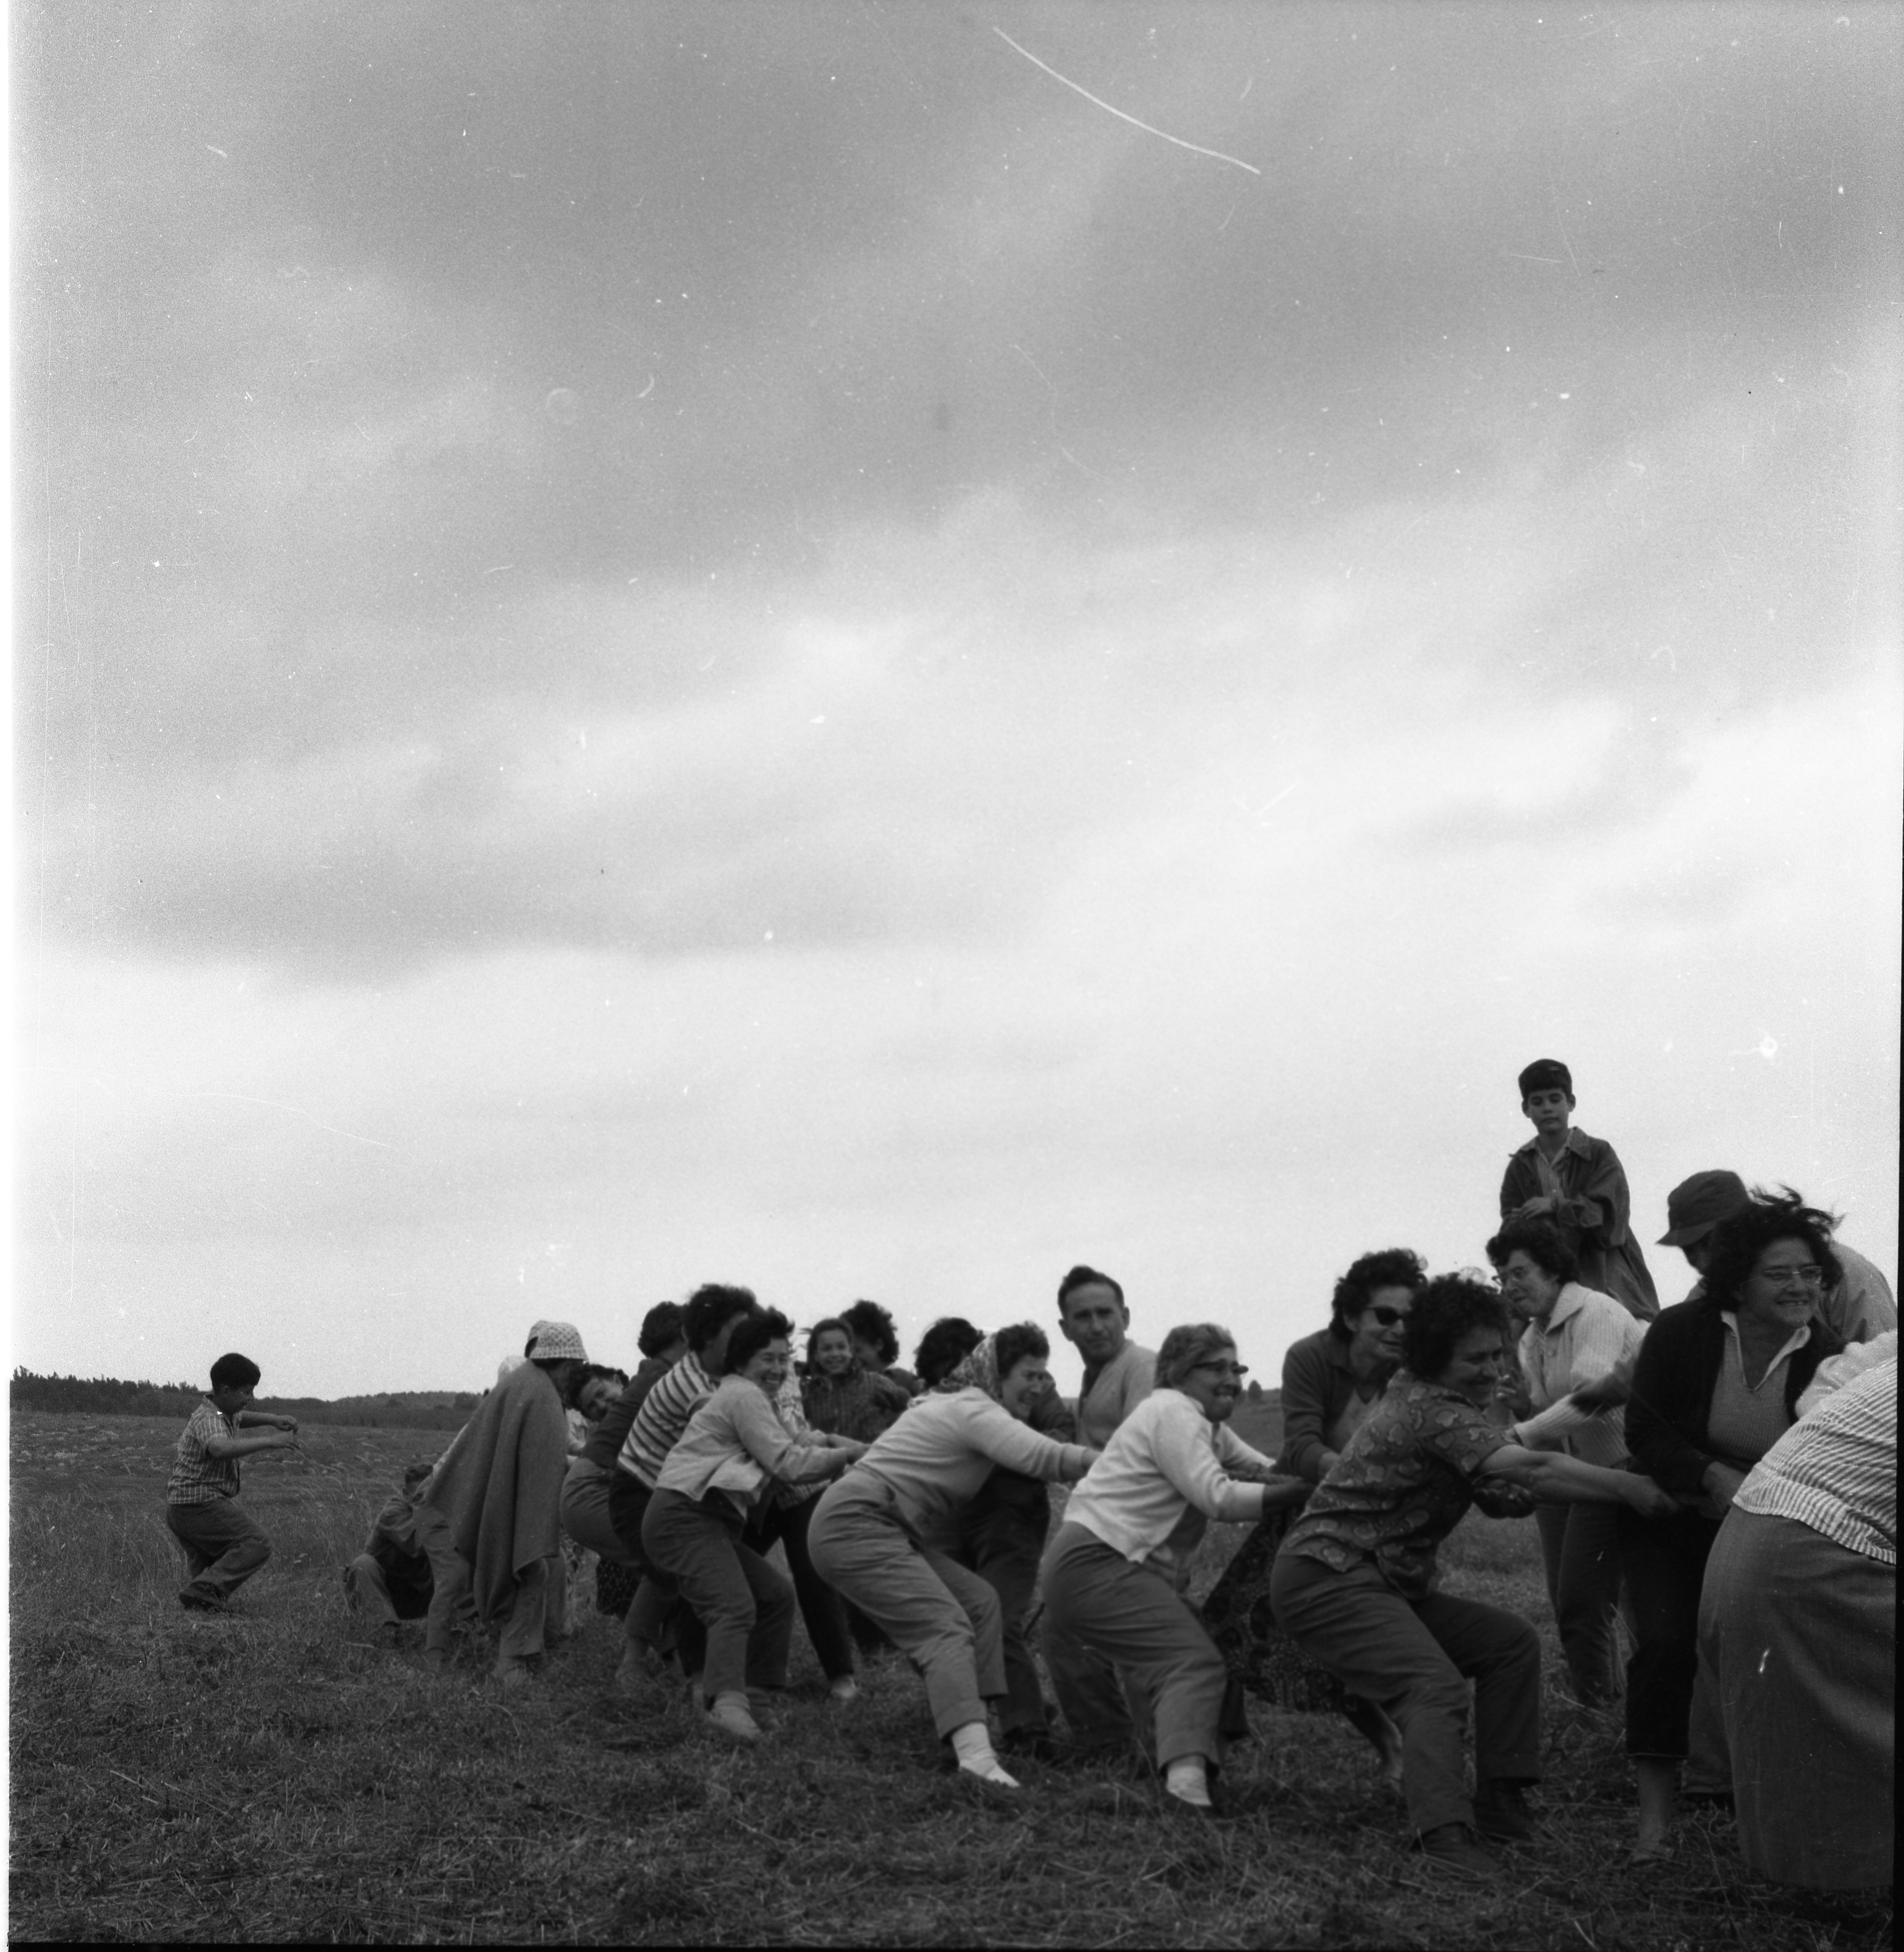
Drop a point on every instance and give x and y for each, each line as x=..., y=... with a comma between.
x=107, y=1396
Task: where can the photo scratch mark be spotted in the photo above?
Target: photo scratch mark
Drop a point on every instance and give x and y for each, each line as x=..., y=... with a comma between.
x=1196, y=149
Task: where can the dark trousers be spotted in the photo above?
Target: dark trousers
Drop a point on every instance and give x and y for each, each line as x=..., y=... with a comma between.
x=224, y=1545
x=820, y=1607
x=1580, y=1545
x=655, y=1615
x=1665, y=1567
x=1415, y=1658
x=745, y=1606
x=1002, y=1537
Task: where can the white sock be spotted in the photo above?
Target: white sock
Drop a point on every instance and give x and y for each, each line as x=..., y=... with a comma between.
x=972, y=1744
x=1187, y=1779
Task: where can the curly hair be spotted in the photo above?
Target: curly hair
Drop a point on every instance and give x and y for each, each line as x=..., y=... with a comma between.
x=1737, y=1242
x=819, y=1328
x=753, y=1335
x=1188, y=1344
x=710, y=1308
x=1081, y=1276
x=871, y=1323
x=1015, y=1344
x=1444, y=1311
x=1540, y=1241
x=1391, y=1267
x=943, y=1347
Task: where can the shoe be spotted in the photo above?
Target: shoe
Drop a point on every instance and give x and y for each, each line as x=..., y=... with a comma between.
x=1181, y=1806
x=1453, y=1846
x=644, y=1655
x=1501, y=1813
x=990, y=1785
x=842, y=1689
x=733, y=1719
x=514, y=1673
x=1650, y=1851
x=386, y=1635
x=202, y=1603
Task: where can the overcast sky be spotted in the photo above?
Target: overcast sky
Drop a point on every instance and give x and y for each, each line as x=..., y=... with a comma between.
x=758, y=643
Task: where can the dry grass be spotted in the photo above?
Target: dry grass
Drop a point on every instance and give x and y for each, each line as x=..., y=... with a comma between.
x=272, y=1777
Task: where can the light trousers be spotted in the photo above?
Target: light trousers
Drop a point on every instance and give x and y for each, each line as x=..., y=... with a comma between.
x=943, y=1616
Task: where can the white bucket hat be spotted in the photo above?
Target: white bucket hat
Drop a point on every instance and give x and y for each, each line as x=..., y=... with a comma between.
x=558, y=1342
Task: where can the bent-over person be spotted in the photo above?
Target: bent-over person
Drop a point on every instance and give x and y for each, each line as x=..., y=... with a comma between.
x=1114, y=1574
x=499, y=1488
x=883, y=1533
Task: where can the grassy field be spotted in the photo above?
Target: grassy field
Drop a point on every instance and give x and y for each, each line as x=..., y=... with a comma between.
x=272, y=1776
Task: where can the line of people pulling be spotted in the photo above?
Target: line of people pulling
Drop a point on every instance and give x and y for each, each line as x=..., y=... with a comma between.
x=1392, y=1431
x=1725, y=1474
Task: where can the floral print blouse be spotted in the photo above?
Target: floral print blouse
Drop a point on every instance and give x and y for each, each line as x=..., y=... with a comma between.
x=1402, y=1485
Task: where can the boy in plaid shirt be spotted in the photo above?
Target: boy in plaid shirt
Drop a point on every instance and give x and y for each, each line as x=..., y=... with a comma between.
x=224, y=1543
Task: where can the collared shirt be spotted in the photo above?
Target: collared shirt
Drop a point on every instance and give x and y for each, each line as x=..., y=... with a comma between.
x=1407, y=1478
x=1587, y=1338
x=1836, y=1469
x=735, y=1442
x=197, y=1477
x=1746, y=1419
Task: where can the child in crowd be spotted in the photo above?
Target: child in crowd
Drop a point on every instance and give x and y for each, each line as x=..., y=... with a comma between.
x=839, y=1393
x=876, y=1343
x=224, y=1545
x=1578, y=1183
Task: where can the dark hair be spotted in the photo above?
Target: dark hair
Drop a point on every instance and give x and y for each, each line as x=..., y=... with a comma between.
x=942, y=1347
x=662, y=1327
x=1081, y=1276
x=1013, y=1344
x=814, y=1334
x=600, y=1373
x=235, y=1373
x=869, y=1322
x=1542, y=1243
x=753, y=1335
x=1545, y=1074
x=1444, y=1311
x=1389, y=1267
x=1738, y=1240
x=568, y=1382
x=710, y=1308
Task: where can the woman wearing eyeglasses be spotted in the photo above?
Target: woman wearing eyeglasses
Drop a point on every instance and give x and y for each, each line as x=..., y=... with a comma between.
x=1114, y=1576
x=1716, y=1386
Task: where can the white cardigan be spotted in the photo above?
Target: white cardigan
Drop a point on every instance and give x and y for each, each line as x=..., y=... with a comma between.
x=1162, y=1476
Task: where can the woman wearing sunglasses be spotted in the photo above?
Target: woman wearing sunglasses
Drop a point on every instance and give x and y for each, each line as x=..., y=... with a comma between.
x=1114, y=1576
x=1331, y=1380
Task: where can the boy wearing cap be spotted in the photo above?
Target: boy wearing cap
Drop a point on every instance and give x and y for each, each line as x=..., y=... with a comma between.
x=224, y=1545
x=1859, y=1308
x=499, y=1488
x=1577, y=1182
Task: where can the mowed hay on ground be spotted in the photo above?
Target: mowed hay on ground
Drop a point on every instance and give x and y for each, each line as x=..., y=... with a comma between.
x=272, y=1776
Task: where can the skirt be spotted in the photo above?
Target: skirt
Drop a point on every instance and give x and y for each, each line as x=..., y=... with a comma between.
x=1800, y=1634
